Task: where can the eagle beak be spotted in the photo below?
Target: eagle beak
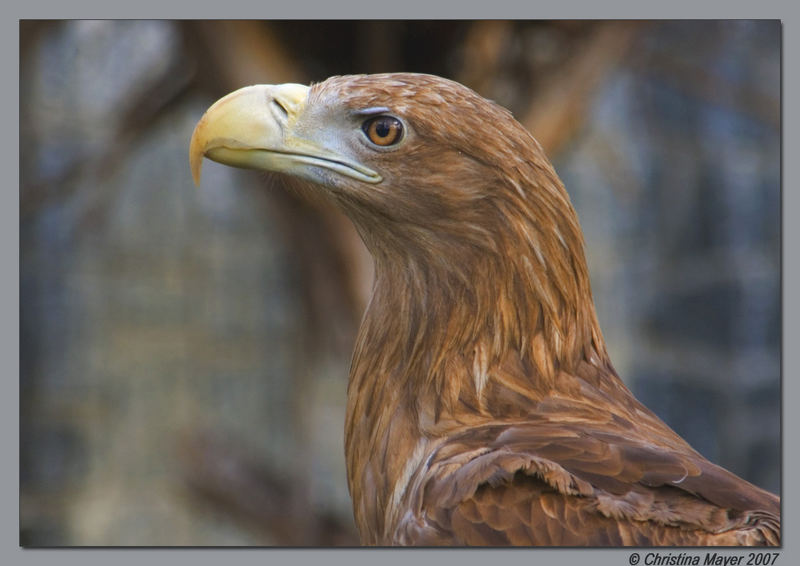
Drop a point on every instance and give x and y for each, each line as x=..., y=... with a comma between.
x=254, y=128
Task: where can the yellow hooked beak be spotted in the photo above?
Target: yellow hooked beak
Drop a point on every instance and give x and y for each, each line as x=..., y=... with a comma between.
x=254, y=128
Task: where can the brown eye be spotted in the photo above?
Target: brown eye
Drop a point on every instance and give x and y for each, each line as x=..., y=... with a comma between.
x=383, y=130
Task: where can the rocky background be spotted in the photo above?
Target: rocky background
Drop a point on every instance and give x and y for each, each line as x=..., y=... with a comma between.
x=184, y=351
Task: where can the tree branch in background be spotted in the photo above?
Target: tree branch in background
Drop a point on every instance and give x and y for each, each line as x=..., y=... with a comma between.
x=240, y=53
x=222, y=475
x=333, y=273
x=557, y=111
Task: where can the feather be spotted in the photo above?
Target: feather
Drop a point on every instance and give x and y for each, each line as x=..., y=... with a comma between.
x=483, y=408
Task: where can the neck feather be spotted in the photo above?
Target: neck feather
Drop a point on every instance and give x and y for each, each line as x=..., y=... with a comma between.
x=443, y=316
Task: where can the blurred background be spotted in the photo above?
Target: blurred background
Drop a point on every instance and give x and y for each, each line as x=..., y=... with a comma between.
x=184, y=351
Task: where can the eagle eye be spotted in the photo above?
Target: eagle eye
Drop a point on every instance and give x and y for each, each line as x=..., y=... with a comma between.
x=383, y=130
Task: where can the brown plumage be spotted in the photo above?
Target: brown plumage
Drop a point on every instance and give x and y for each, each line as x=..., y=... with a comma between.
x=483, y=408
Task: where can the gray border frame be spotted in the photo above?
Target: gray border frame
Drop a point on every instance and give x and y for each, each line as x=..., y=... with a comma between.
x=11, y=553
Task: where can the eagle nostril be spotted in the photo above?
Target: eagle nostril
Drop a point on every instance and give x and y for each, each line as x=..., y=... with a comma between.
x=281, y=107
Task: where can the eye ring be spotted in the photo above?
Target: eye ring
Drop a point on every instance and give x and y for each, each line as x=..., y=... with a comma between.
x=383, y=130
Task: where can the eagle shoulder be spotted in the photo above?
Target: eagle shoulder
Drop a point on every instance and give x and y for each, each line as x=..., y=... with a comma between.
x=539, y=483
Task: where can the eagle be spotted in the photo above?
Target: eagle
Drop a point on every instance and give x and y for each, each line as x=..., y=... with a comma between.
x=482, y=406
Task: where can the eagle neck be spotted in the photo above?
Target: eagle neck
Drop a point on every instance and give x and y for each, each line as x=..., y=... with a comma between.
x=447, y=313
x=432, y=326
